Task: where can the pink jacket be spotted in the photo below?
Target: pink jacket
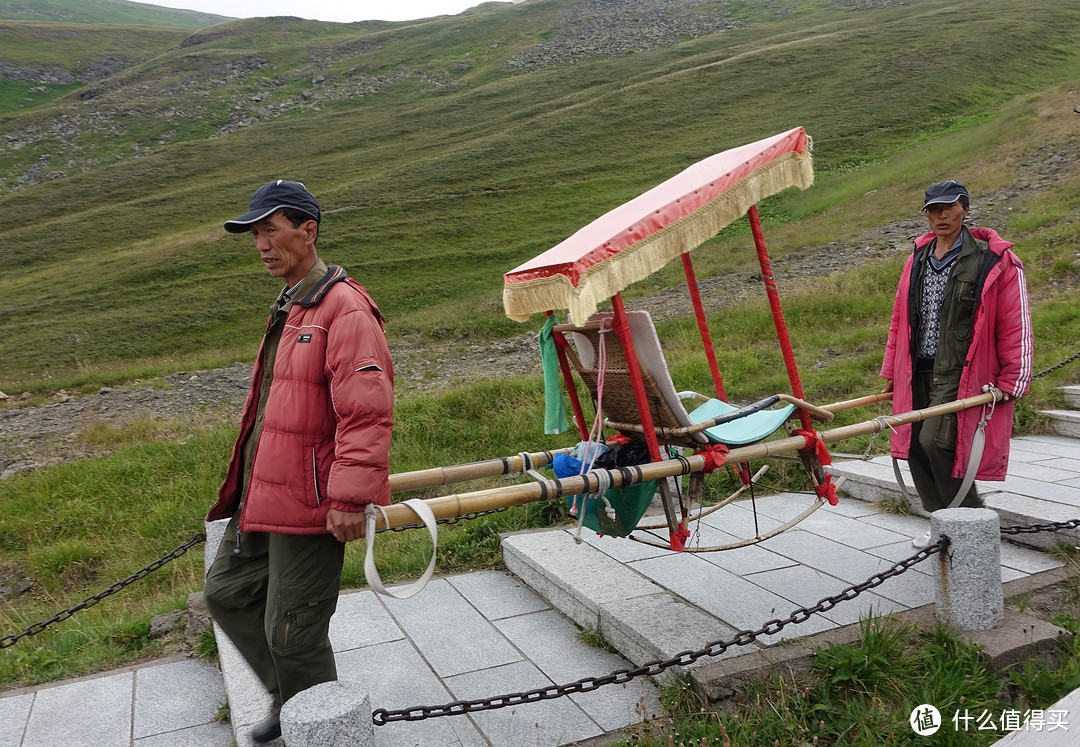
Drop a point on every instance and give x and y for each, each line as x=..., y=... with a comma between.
x=1001, y=354
x=326, y=425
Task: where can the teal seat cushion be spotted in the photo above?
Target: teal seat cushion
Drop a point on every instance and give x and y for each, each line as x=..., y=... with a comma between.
x=749, y=429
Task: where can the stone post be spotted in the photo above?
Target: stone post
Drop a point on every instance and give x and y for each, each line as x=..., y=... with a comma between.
x=969, y=591
x=215, y=532
x=330, y=714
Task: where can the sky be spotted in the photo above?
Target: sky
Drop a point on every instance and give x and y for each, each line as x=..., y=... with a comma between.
x=340, y=11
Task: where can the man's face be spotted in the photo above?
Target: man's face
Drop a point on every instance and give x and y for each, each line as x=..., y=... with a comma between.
x=945, y=219
x=287, y=252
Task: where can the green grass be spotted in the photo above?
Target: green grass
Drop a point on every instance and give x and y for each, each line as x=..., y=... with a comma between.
x=863, y=694
x=106, y=12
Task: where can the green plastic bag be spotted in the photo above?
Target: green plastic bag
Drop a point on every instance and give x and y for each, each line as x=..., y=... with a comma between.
x=629, y=504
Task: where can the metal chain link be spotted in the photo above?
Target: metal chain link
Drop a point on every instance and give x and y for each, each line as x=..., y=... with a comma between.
x=1049, y=527
x=10, y=640
x=383, y=716
x=1050, y=370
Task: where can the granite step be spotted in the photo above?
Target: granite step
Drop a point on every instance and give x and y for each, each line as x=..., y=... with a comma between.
x=1066, y=422
x=1072, y=395
x=1043, y=486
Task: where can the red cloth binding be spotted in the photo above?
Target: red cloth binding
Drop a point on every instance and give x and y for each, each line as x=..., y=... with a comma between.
x=678, y=539
x=715, y=456
x=814, y=441
x=827, y=491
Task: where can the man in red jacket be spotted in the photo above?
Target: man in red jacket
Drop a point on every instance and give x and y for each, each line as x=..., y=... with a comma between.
x=312, y=454
x=961, y=321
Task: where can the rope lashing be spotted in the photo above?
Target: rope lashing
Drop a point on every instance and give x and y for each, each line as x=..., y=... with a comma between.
x=591, y=451
x=882, y=422
x=603, y=483
x=814, y=442
x=528, y=466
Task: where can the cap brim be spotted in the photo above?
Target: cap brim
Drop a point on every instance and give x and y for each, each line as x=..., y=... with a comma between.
x=946, y=200
x=242, y=224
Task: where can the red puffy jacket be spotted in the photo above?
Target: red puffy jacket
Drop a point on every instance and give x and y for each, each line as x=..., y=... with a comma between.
x=326, y=433
x=1000, y=354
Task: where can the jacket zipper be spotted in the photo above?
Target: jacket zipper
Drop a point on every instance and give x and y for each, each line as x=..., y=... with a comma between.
x=288, y=624
x=315, y=477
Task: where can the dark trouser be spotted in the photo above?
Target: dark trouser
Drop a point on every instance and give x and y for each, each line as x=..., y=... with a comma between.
x=274, y=599
x=933, y=451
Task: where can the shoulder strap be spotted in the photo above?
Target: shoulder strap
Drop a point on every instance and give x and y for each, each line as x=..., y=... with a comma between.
x=334, y=274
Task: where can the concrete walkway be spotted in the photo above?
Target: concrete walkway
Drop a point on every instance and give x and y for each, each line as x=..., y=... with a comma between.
x=482, y=634
x=468, y=636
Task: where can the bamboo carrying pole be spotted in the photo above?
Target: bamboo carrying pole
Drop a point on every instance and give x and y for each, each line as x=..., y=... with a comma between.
x=451, y=506
x=403, y=482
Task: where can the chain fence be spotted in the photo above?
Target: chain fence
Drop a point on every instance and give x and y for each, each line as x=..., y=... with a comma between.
x=1057, y=366
x=383, y=716
x=10, y=640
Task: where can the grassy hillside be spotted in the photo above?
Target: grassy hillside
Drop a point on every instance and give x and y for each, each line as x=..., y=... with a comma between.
x=107, y=12
x=443, y=161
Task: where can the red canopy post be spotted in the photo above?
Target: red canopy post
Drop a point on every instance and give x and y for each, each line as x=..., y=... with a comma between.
x=777, y=313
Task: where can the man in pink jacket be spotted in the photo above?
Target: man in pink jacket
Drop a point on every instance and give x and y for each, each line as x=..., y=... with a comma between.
x=961, y=322
x=312, y=455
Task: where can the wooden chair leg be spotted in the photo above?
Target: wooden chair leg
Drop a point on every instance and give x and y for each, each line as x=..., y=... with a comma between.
x=667, y=500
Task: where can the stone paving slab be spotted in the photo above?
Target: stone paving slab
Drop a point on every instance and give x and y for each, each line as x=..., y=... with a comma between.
x=1064, y=734
x=549, y=640
x=546, y=722
x=575, y=578
x=463, y=640
x=396, y=676
x=661, y=626
x=157, y=705
x=179, y=696
x=14, y=712
x=497, y=595
x=804, y=587
x=1066, y=422
x=732, y=599
x=207, y=735
x=481, y=634
x=361, y=620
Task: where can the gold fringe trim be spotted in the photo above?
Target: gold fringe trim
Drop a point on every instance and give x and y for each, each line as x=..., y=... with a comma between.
x=638, y=261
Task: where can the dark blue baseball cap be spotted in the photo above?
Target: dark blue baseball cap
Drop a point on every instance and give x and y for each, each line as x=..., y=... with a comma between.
x=271, y=197
x=946, y=192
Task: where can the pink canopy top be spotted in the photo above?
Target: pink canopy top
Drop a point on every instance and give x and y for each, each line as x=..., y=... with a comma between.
x=639, y=237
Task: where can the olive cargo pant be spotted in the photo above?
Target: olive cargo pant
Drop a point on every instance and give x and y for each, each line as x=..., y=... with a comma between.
x=274, y=599
x=932, y=453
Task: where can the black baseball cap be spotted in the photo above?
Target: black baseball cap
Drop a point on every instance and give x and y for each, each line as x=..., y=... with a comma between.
x=271, y=197
x=945, y=192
